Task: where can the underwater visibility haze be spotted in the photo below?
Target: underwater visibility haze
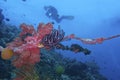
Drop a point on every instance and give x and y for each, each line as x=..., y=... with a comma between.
x=59, y=39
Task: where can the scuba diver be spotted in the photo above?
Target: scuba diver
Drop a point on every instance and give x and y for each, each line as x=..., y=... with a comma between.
x=51, y=12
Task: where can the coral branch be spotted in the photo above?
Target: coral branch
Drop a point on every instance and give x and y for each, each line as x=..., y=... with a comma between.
x=89, y=40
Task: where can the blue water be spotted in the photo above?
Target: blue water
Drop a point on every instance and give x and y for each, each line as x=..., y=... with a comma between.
x=93, y=19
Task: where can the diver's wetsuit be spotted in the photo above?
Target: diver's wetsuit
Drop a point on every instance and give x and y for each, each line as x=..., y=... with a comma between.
x=52, y=12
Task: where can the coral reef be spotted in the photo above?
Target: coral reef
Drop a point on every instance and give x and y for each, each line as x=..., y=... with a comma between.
x=32, y=53
x=69, y=69
x=66, y=68
x=5, y=69
x=7, y=33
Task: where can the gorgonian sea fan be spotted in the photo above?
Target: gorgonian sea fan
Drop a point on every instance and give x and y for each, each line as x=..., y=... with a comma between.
x=53, y=38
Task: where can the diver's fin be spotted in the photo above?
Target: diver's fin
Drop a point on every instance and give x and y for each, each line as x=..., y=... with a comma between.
x=68, y=17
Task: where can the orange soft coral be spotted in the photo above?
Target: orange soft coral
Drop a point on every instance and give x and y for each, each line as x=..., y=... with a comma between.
x=6, y=53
